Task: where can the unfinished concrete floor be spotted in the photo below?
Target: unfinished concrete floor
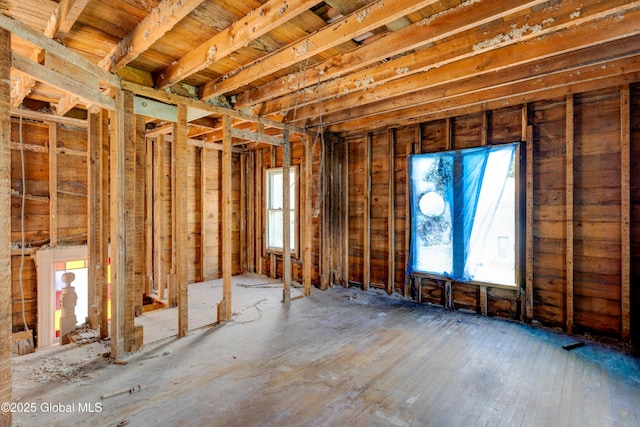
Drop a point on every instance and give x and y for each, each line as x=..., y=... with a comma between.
x=337, y=358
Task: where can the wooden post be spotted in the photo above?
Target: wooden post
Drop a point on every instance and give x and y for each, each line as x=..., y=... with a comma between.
x=345, y=203
x=259, y=206
x=286, y=219
x=325, y=244
x=6, y=341
x=138, y=222
x=148, y=216
x=118, y=238
x=625, y=215
x=104, y=223
x=484, y=135
x=391, y=217
x=243, y=213
x=529, y=226
x=182, y=256
x=130, y=285
x=94, y=157
x=251, y=207
x=308, y=227
x=483, y=300
x=569, y=140
x=159, y=191
x=203, y=214
x=273, y=266
x=415, y=147
x=224, y=308
x=448, y=136
x=53, y=184
x=366, y=280
x=172, y=290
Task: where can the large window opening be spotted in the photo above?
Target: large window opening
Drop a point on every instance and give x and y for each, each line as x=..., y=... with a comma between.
x=274, y=212
x=463, y=208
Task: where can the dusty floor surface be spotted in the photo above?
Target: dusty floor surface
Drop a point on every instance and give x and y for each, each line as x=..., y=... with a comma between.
x=337, y=358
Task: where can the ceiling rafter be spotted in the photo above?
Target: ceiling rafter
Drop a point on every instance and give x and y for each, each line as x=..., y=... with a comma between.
x=599, y=27
x=429, y=30
x=359, y=22
x=151, y=29
x=239, y=34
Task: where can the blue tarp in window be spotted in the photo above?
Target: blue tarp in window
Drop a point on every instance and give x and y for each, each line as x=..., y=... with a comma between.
x=455, y=196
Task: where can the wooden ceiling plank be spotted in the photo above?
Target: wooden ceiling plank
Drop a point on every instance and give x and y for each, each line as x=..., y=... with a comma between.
x=601, y=30
x=23, y=31
x=429, y=30
x=151, y=29
x=239, y=34
x=588, y=78
x=68, y=84
x=361, y=21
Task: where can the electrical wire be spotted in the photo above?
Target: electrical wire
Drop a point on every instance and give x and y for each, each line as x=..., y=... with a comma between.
x=24, y=197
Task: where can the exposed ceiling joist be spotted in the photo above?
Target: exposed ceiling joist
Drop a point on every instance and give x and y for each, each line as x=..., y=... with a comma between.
x=151, y=29
x=359, y=22
x=239, y=34
x=427, y=31
x=560, y=36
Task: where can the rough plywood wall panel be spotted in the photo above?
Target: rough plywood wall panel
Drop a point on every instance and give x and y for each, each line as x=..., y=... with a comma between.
x=37, y=182
x=504, y=125
x=467, y=131
x=213, y=209
x=548, y=119
x=597, y=278
x=405, y=138
x=193, y=213
x=379, y=208
x=72, y=186
x=213, y=254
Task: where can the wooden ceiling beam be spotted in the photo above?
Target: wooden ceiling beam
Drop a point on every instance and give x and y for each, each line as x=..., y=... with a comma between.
x=239, y=34
x=27, y=33
x=534, y=72
x=586, y=78
x=603, y=27
x=216, y=111
x=63, y=18
x=453, y=21
x=60, y=22
x=64, y=82
x=359, y=22
x=151, y=29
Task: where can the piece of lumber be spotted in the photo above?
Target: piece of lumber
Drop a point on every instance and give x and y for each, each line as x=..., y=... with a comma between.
x=625, y=209
x=53, y=184
x=182, y=229
x=224, y=308
x=569, y=186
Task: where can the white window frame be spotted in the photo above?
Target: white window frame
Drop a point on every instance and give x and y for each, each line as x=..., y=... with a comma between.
x=293, y=209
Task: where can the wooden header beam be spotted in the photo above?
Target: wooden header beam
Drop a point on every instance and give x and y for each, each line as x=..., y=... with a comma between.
x=172, y=98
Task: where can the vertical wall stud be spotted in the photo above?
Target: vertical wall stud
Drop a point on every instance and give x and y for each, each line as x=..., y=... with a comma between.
x=53, y=184
x=367, y=214
x=625, y=219
x=569, y=142
x=391, y=217
x=286, y=220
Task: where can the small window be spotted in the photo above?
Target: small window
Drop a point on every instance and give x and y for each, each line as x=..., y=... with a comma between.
x=274, y=192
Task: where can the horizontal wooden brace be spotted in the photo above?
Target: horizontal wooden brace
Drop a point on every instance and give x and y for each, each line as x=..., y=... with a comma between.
x=256, y=136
